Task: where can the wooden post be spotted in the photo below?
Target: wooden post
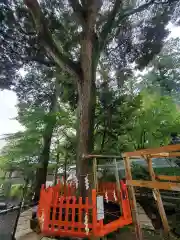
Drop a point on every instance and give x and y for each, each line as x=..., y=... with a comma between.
x=158, y=199
x=133, y=200
x=155, y=184
x=95, y=174
x=118, y=184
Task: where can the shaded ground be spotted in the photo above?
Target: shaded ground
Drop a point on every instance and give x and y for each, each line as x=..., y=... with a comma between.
x=129, y=234
x=23, y=230
x=7, y=222
x=31, y=236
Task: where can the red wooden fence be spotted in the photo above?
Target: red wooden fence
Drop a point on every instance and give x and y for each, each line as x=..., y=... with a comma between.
x=60, y=213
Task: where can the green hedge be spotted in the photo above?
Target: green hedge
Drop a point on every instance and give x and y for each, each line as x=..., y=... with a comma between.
x=170, y=171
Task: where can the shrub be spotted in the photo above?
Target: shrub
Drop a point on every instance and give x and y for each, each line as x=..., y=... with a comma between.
x=16, y=191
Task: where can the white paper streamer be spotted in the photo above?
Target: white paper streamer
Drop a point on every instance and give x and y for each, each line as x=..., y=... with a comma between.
x=76, y=182
x=86, y=182
x=106, y=196
x=86, y=224
x=114, y=194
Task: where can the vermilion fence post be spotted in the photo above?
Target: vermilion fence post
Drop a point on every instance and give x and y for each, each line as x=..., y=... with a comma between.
x=87, y=211
x=61, y=200
x=66, y=211
x=80, y=213
x=128, y=205
x=46, y=209
x=73, y=212
x=125, y=203
x=94, y=213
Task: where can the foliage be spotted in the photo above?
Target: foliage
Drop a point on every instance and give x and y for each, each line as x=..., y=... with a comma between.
x=141, y=120
x=170, y=171
x=112, y=120
x=135, y=28
x=155, y=120
x=164, y=70
x=23, y=148
x=16, y=191
x=140, y=172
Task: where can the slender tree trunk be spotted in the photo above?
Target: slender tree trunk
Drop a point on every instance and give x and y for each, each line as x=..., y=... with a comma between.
x=104, y=136
x=65, y=168
x=57, y=167
x=41, y=172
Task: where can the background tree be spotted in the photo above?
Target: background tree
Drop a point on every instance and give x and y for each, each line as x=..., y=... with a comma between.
x=41, y=113
x=156, y=118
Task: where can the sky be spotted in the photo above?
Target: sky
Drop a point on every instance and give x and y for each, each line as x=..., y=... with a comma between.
x=8, y=124
x=8, y=102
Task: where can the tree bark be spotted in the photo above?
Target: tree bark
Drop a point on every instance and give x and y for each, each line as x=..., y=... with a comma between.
x=86, y=135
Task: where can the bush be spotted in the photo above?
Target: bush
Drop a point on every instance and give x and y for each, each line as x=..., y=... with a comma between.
x=140, y=172
x=16, y=191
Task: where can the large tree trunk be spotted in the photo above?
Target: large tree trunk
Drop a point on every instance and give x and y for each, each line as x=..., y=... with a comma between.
x=41, y=172
x=86, y=103
x=86, y=135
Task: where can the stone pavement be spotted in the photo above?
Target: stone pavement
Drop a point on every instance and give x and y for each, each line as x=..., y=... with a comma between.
x=23, y=231
x=145, y=221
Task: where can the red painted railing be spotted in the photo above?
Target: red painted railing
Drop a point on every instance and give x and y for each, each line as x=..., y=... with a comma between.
x=60, y=213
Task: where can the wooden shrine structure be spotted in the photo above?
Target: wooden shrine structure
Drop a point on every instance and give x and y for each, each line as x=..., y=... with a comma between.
x=62, y=213
x=171, y=183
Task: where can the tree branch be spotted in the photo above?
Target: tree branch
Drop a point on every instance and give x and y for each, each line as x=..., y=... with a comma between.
x=136, y=10
x=40, y=60
x=49, y=42
x=108, y=27
x=141, y=8
x=109, y=24
x=78, y=10
x=66, y=135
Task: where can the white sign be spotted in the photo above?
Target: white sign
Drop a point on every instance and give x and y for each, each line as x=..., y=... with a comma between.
x=100, y=207
x=175, y=189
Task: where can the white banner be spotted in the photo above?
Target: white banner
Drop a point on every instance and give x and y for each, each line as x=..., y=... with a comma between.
x=100, y=207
